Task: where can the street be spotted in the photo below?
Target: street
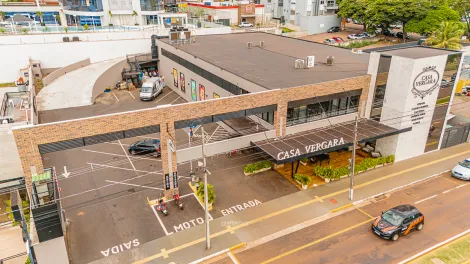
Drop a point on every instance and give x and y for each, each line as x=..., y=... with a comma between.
x=443, y=200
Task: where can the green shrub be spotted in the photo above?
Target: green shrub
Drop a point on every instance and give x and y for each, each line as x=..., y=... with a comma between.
x=390, y=158
x=250, y=168
x=381, y=160
x=86, y=27
x=340, y=172
x=324, y=172
x=28, y=261
x=210, y=191
x=303, y=179
x=304, y=160
x=2, y=30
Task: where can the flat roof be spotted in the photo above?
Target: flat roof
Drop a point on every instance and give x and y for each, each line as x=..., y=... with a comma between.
x=272, y=66
x=418, y=52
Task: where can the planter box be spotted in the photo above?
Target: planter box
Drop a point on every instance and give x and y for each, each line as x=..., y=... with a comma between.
x=258, y=171
x=345, y=176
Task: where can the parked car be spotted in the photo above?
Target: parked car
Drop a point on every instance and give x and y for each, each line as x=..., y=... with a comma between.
x=245, y=24
x=151, y=88
x=396, y=25
x=369, y=35
x=398, y=221
x=334, y=29
x=400, y=35
x=454, y=76
x=329, y=41
x=388, y=32
x=338, y=39
x=356, y=36
x=357, y=22
x=145, y=146
x=462, y=170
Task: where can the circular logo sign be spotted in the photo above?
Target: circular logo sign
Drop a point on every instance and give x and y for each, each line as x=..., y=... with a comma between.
x=248, y=9
x=426, y=82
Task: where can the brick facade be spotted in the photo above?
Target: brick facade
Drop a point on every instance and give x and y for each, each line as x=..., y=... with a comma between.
x=29, y=137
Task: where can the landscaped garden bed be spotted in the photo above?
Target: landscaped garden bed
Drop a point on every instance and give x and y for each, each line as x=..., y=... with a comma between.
x=257, y=167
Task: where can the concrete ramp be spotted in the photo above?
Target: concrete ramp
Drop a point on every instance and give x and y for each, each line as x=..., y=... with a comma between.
x=76, y=87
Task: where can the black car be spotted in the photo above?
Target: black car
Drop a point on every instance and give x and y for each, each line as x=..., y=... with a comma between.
x=145, y=147
x=398, y=221
x=454, y=76
x=400, y=35
x=388, y=32
x=334, y=29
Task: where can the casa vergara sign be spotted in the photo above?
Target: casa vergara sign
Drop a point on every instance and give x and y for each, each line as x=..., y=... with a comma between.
x=426, y=82
x=310, y=148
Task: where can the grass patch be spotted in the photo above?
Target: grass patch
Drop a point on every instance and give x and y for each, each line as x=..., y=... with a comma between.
x=8, y=84
x=357, y=44
x=457, y=251
x=287, y=30
x=443, y=100
x=250, y=168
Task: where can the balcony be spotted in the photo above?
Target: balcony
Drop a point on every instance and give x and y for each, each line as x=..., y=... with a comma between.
x=331, y=6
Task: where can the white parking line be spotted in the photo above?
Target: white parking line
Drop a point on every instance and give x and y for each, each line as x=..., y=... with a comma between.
x=131, y=94
x=175, y=99
x=232, y=258
x=160, y=221
x=119, y=155
x=171, y=91
x=125, y=152
x=119, y=168
x=209, y=139
x=115, y=143
x=136, y=185
x=425, y=199
x=115, y=97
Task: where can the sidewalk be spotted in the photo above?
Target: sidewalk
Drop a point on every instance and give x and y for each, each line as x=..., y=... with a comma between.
x=289, y=213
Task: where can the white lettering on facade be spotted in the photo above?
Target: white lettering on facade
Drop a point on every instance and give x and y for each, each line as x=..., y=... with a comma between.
x=240, y=207
x=310, y=148
x=121, y=247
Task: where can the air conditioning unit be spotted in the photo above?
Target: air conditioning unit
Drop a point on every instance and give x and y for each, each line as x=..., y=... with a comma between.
x=249, y=45
x=310, y=61
x=299, y=64
x=330, y=60
x=261, y=43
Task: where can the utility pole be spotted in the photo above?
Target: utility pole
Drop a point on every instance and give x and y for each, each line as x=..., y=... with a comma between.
x=206, y=200
x=190, y=135
x=352, y=163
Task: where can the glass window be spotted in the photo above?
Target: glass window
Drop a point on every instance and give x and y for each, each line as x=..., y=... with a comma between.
x=207, y=75
x=189, y=65
x=217, y=80
x=197, y=70
x=343, y=103
x=183, y=62
x=354, y=101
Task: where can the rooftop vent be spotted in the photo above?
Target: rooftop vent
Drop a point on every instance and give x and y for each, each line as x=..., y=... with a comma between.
x=299, y=64
x=249, y=45
x=310, y=61
x=261, y=43
x=330, y=60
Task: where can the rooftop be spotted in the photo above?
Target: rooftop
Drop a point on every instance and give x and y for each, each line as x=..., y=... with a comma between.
x=417, y=52
x=273, y=65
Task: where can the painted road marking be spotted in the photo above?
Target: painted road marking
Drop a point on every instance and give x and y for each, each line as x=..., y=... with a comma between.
x=131, y=94
x=233, y=258
x=445, y=178
x=171, y=91
x=119, y=168
x=240, y=207
x=209, y=139
x=362, y=211
x=116, y=97
x=160, y=221
x=120, y=155
x=425, y=199
x=136, y=185
x=316, y=241
x=319, y=199
x=288, y=209
x=188, y=224
x=460, y=186
x=121, y=247
x=175, y=99
x=125, y=152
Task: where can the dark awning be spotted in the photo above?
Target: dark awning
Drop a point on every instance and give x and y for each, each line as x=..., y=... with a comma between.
x=322, y=140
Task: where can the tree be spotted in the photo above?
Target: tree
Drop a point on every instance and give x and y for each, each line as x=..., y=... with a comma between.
x=210, y=191
x=39, y=14
x=386, y=12
x=448, y=36
x=135, y=14
x=432, y=21
x=463, y=7
x=57, y=18
x=354, y=9
x=2, y=14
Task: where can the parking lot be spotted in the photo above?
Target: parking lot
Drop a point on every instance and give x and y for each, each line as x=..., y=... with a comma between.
x=111, y=188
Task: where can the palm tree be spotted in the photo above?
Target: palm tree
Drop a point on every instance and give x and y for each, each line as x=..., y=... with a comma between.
x=447, y=36
x=135, y=14
x=2, y=14
x=39, y=14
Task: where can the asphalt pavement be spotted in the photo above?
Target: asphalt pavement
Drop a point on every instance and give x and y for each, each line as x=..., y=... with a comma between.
x=348, y=238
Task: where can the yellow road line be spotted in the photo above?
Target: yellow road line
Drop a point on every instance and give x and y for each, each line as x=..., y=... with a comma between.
x=316, y=242
x=298, y=206
x=454, y=182
x=341, y=208
x=237, y=246
x=432, y=143
x=362, y=211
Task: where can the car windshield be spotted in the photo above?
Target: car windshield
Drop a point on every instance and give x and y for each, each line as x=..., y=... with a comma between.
x=465, y=163
x=393, y=218
x=146, y=89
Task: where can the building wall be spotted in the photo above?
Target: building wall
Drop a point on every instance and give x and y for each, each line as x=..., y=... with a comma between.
x=62, y=71
x=108, y=78
x=52, y=251
x=318, y=24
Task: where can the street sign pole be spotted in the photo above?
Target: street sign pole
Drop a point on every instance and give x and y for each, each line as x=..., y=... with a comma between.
x=206, y=200
x=170, y=156
x=353, y=161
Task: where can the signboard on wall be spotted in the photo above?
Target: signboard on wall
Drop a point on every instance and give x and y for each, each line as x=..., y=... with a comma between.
x=193, y=90
x=202, y=92
x=426, y=82
x=182, y=82
x=175, y=179
x=216, y=96
x=175, y=77
x=248, y=9
x=167, y=181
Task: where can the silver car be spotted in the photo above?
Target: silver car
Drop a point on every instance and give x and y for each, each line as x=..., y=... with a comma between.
x=462, y=170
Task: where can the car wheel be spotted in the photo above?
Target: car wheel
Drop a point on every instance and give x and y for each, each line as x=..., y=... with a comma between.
x=420, y=227
x=394, y=237
x=132, y=152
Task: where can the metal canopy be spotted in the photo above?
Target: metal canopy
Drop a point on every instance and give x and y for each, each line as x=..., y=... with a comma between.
x=322, y=140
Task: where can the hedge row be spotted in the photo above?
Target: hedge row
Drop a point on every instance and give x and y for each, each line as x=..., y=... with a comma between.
x=250, y=168
x=368, y=163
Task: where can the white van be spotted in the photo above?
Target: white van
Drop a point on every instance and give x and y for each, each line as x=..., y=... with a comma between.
x=151, y=88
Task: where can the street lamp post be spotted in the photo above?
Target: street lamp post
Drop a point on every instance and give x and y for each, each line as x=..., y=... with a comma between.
x=206, y=200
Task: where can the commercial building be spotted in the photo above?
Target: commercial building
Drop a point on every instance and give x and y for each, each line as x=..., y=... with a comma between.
x=229, y=13
x=306, y=96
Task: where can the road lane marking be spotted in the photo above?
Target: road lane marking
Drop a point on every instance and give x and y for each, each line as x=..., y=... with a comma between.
x=136, y=185
x=116, y=97
x=120, y=155
x=175, y=99
x=460, y=186
x=233, y=258
x=425, y=199
x=448, y=190
x=209, y=139
x=319, y=199
x=454, y=182
x=171, y=91
x=161, y=223
x=316, y=241
x=119, y=168
x=288, y=209
x=125, y=152
x=362, y=211
x=131, y=94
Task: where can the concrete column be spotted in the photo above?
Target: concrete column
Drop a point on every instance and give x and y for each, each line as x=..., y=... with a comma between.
x=29, y=154
x=167, y=131
x=280, y=118
x=63, y=18
x=365, y=101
